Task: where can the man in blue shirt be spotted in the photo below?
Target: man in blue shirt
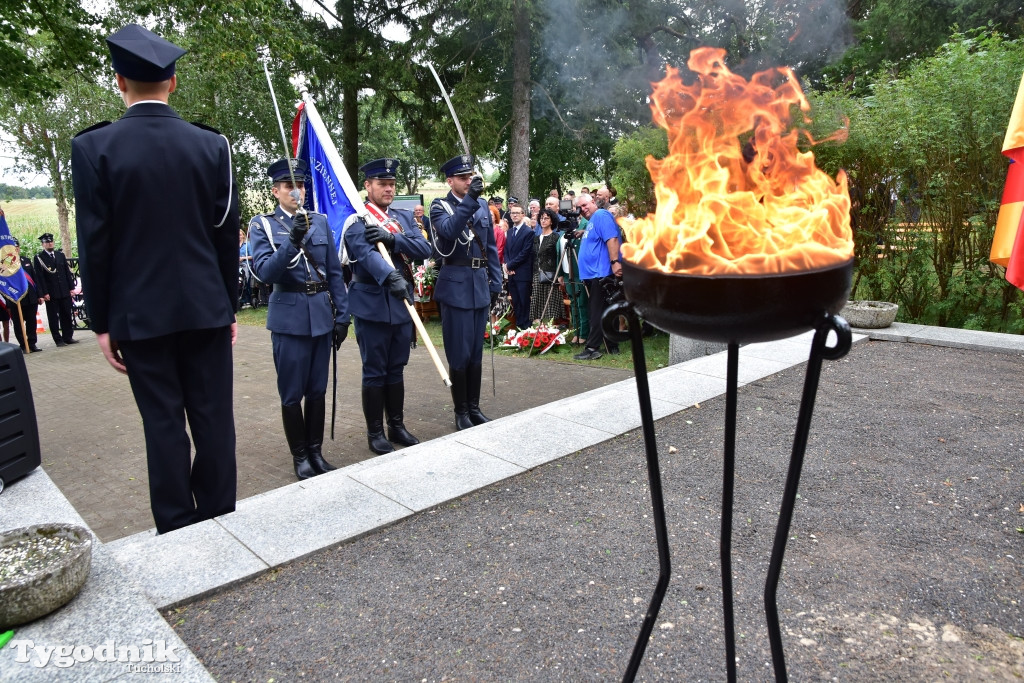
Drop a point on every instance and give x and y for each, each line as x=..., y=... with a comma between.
x=598, y=260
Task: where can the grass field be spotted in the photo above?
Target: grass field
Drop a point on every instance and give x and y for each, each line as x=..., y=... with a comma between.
x=655, y=347
x=30, y=218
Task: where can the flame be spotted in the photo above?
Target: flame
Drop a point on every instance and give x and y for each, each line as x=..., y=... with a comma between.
x=735, y=195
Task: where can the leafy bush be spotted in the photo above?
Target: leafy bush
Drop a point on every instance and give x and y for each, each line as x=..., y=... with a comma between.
x=926, y=176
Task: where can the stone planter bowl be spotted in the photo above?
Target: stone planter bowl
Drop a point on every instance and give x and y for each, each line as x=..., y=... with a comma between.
x=41, y=568
x=870, y=315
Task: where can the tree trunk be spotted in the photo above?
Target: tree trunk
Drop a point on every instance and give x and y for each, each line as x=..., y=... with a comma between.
x=519, y=143
x=59, y=195
x=349, y=96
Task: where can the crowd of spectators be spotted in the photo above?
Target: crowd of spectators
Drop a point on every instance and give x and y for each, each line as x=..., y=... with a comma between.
x=561, y=270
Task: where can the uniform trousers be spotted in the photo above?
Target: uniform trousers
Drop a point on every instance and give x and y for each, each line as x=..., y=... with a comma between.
x=302, y=364
x=58, y=315
x=520, y=291
x=177, y=376
x=30, y=322
x=462, y=330
x=384, y=350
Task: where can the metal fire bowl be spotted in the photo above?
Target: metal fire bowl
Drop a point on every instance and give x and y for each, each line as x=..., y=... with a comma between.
x=737, y=308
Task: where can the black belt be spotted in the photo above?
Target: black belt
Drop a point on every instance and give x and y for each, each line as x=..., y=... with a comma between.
x=309, y=288
x=465, y=261
x=363, y=279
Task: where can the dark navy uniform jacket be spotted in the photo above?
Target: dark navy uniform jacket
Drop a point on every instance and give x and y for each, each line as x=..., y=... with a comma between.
x=367, y=298
x=519, y=254
x=54, y=274
x=276, y=260
x=458, y=284
x=177, y=270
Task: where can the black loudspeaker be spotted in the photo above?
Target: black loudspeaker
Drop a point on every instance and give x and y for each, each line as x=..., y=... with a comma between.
x=19, y=433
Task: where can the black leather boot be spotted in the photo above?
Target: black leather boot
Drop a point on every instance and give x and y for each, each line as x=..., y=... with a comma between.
x=394, y=401
x=373, y=411
x=295, y=432
x=315, y=410
x=474, y=374
x=462, y=421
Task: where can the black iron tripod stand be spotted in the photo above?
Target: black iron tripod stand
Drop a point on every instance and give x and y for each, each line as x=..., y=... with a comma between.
x=820, y=350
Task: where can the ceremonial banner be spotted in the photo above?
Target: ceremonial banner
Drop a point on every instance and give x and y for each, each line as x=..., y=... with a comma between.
x=13, y=283
x=326, y=193
x=1008, y=242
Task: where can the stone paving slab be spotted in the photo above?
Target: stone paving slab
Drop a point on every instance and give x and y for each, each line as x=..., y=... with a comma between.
x=187, y=562
x=537, y=438
x=433, y=473
x=678, y=385
x=292, y=522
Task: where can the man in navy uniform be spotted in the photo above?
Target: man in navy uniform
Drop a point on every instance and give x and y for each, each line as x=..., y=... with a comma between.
x=377, y=294
x=157, y=216
x=468, y=283
x=55, y=284
x=307, y=312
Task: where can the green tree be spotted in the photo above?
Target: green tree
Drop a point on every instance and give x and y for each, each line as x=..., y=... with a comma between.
x=386, y=135
x=631, y=178
x=40, y=41
x=42, y=127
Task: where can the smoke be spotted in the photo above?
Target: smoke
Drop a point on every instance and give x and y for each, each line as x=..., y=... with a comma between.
x=597, y=56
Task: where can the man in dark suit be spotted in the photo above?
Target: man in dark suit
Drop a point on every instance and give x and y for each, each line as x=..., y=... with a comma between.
x=468, y=283
x=29, y=304
x=157, y=217
x=55, y=284
x=376, y=295
x=519, y=264
x=307, y=312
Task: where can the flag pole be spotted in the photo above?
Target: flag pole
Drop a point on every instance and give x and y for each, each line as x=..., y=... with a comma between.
x=24, y=331
x=349, y=188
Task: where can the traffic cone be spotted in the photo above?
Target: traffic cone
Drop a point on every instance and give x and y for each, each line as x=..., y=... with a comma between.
x=40, y=328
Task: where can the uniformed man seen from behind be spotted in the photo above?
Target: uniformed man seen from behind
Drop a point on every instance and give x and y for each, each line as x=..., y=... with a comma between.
x=307, y=312
x=157, y=215
x=377, y=297
x=468, y=283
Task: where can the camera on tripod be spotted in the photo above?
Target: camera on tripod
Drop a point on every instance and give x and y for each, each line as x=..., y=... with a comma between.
x=613, y=289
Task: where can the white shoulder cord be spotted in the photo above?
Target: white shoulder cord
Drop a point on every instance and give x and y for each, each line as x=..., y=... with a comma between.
x=343, y=251
x=270, y=238
x=463, y=239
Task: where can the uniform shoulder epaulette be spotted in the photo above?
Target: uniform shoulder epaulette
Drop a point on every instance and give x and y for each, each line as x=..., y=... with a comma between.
x=199, y=124
x=95, y=126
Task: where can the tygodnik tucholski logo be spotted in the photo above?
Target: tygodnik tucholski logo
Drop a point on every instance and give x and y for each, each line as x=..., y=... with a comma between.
x=149, y=656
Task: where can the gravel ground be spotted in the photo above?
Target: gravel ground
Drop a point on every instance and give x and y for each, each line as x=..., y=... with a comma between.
x=904, y=559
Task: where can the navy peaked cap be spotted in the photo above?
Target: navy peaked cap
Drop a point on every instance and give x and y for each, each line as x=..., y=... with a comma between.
x=141, y=55
x=459, y=165
x=513, y=200
x=284, y=169
x=380, y=168
x=46, y=237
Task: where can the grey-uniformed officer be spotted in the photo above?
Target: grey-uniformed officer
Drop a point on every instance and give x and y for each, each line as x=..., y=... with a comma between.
x=468, y=283
x=376, y=295
x=307, y=311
